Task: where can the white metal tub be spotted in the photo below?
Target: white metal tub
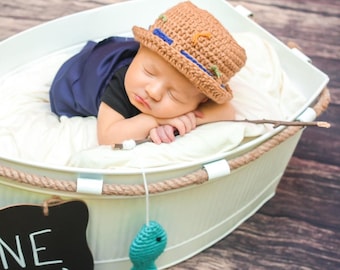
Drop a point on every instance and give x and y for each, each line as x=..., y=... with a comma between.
x=195, y=211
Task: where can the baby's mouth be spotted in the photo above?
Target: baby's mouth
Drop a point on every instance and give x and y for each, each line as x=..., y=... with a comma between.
x=142, y=101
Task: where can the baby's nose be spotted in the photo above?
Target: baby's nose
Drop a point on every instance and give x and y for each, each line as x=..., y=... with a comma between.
x=155, y=91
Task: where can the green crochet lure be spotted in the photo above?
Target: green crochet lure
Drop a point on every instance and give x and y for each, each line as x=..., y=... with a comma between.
x=146, y=247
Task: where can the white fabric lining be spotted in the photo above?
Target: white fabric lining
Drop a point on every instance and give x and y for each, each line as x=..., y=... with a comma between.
x=30, y=131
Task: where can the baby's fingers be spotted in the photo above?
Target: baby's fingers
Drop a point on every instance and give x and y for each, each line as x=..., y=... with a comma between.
x=163, y=134
x=186, y=123
x=154, y=136
x=166, y=133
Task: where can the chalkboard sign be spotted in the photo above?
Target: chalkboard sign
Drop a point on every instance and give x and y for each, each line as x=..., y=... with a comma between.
x=45, y=238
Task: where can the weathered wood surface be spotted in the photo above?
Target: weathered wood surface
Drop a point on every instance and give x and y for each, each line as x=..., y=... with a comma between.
x=300, y=227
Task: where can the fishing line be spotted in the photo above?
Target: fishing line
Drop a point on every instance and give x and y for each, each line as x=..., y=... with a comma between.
x=147, y=204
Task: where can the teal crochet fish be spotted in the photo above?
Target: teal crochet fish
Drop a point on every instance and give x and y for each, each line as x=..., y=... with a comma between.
x=146, y=247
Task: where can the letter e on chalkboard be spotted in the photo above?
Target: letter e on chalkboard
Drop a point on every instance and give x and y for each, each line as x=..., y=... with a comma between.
x=54, y=239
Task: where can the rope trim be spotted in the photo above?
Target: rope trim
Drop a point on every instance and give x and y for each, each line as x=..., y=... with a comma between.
x=198, y=177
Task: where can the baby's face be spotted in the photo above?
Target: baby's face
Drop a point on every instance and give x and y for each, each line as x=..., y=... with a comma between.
x=157, y=88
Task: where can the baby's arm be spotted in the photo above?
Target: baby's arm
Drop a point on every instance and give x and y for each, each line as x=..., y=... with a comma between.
x=213, y=112
x=113, y=128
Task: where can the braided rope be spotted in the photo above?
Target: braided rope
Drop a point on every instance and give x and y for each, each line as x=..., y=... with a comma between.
x=197, y=177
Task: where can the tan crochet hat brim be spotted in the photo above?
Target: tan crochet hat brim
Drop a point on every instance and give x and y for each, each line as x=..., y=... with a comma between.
x=204, y=82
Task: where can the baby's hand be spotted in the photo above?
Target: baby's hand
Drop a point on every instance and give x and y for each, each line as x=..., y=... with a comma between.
x=162, y=134
x=184, y=123
x=165, y=132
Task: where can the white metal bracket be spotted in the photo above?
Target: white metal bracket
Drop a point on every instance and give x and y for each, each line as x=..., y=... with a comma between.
x=301, y=55
x=217, y=168
x=307, y=115
x=244, y=11
x=90, y=183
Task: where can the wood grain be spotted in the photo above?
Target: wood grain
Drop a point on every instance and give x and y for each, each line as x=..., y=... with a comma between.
x=300, y=227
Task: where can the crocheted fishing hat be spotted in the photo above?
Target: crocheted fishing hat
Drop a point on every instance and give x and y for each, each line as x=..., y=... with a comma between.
x=198, y=46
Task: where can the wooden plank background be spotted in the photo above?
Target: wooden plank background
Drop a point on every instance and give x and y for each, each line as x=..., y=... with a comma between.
x=300, y=227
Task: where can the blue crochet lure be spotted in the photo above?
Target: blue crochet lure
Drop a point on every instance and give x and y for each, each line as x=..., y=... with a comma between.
x=149, y=243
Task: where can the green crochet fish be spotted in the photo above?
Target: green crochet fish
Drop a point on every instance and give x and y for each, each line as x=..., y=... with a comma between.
x=146, y=247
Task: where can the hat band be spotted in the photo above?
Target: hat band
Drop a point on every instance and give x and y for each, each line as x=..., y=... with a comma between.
x=192, y=59
x=158, y=32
